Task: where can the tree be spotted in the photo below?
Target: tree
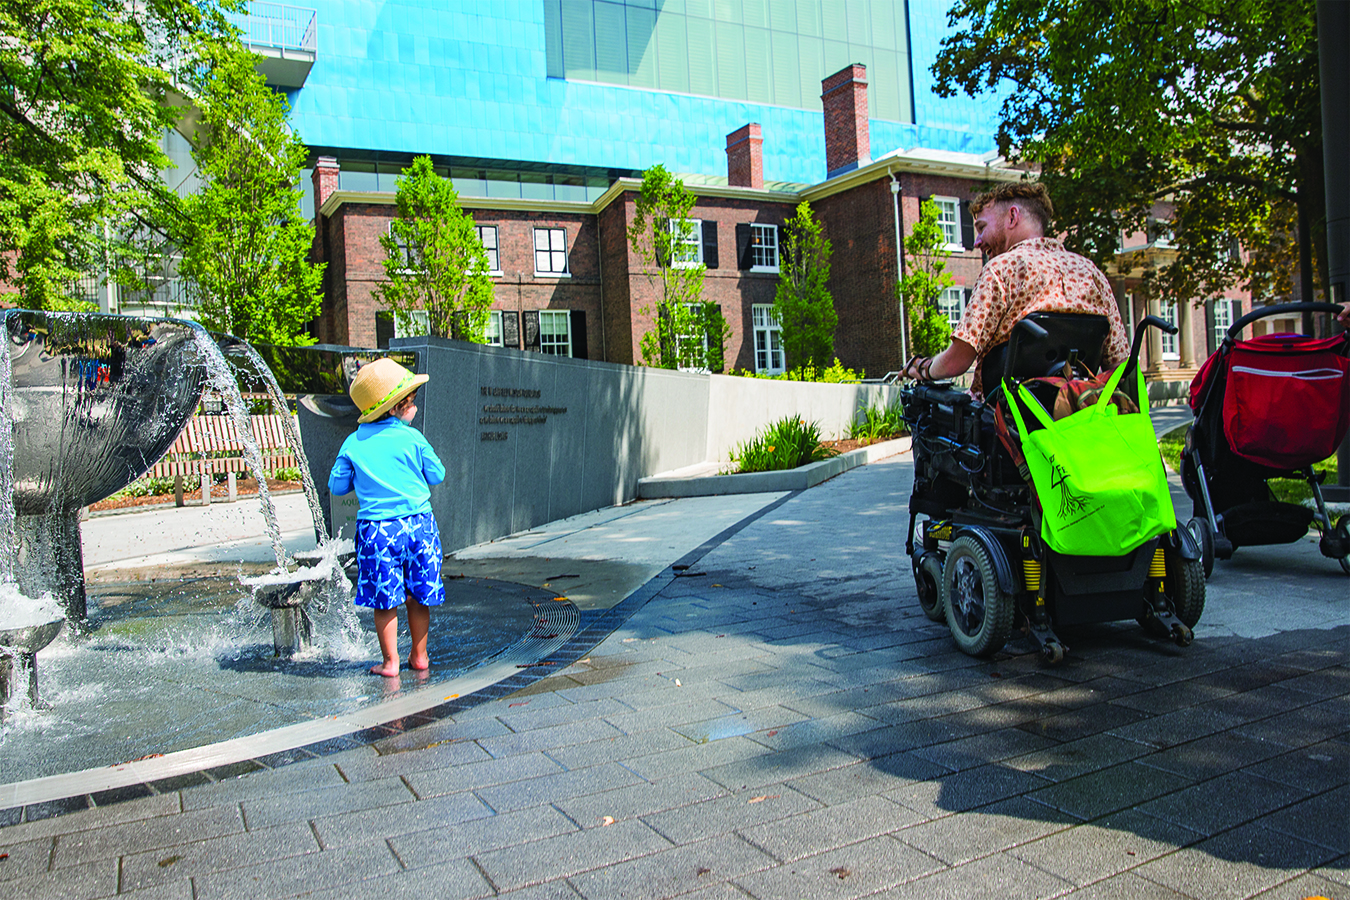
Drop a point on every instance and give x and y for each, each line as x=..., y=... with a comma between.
x=434, y=259
x=688, y=333
x=1212, y=105
x=925, y=279
x=86, y=91
x=802, y=304
x=245, y=245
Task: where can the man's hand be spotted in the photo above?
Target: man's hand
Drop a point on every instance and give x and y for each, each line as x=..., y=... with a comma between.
x=1343, y=317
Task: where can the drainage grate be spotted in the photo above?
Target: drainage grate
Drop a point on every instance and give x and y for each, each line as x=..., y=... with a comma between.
x=556, y=619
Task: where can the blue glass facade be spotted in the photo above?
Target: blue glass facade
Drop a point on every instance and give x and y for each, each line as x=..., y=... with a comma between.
x=468, y=81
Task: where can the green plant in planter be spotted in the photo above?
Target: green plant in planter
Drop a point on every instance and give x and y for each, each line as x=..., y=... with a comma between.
x=786, y=444
x=879, y=423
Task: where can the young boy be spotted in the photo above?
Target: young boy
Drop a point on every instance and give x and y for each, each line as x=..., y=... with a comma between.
x=398, y=547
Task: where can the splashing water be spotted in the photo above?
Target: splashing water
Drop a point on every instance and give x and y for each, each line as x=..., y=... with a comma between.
x=7, y=548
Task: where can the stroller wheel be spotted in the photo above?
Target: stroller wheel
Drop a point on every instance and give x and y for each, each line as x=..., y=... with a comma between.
x=1199, y=528
x=979, y=613
x=1343, y=532
x=928, y=578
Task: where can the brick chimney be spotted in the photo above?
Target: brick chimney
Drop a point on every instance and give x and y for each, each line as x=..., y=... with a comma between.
x=844, y=96
x=745, y=158
x=325, y=180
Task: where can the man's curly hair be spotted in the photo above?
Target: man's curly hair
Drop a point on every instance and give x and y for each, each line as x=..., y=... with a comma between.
x=1031, y=196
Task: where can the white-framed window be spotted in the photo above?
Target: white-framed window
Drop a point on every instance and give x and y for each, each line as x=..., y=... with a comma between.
x=952, y=302
x=692, y=347
x=687, y=249
x=555, y=332
x=550, y=252
x=494, y=328
x=487, y=234
x=1168, y=311
x=949, y=220
x=763, y=248
x=404, y=250
x=420, y=324
x=1223, y=319
x=768, y=339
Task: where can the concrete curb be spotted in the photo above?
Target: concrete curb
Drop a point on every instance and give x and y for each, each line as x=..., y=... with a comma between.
x=799, y=479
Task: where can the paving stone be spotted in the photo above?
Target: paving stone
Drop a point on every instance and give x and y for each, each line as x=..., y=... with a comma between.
x=772, y=768
x=299, y=778
x=981, y=749
x=1212, y=756
x=1061, y=762
x=905, y=736
x=91, y=879
x=1106, y=791
x=145, y=834
x=525, y=719
x=1319, y=767
x=829, y=828
x=546, y=738
x=642, y=799
x=24, y=858
x=615, y=749
x=1082, y=722
x=1089, y=693
x=695, y=758
x=98, y=817
x=1223, y=803
x=1178, y=727
x=557, y=787
x=349, y=829
x=847, y=872
x=395, y=764
x=174, y=864
x=1125, y=886
x=569, y=854
x=423, y=848
x=732, y=812
x=670, y=716
x=174, y=890
x=446, y=732
x=674, y=871
x=666, y=695
x=739, y=723
x=812, y=731
x=302, y=874
x=872, y=777
x=552, y=890
x=456, y=879
x=956, y=839
x=1306, y=885
x=996, y=877
x=964, y=790
x=1264, y=702
x=484, y=774
x=1096, y=850
x=1301, y=727
x=1320, y=820
x=327, y=802
x=1235, y=864
x=1333, y=681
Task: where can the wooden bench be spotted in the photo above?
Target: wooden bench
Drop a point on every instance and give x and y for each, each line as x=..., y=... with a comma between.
x=204, y=435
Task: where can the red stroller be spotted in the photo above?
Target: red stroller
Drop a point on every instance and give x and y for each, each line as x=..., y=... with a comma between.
x=1266, y=408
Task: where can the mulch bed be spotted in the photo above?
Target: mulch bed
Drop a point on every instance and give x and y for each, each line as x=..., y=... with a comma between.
x=848, y=444
x=245, y=487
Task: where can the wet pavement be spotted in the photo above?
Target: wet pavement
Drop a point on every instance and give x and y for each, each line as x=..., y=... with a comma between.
x=778, y=719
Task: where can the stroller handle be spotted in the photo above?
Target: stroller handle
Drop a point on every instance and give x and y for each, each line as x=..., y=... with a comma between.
x=1138, y=342
x=1236, y=328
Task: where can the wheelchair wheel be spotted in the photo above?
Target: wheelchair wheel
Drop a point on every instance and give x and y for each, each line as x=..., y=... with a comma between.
x=1185, y=584
x=979, y=613
x=1199, y=528
x=928, y=580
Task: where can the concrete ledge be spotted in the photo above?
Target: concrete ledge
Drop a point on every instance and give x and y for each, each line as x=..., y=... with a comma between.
x=698, y=481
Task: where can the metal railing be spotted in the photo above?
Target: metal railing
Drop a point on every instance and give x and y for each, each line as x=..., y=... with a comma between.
x=278, y=25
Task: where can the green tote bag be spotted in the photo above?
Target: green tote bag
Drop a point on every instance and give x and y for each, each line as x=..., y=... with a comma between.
x=1098, y=474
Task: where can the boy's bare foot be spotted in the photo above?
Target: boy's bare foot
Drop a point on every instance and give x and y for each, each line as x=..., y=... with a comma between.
x=388, y=671
x=419, y=664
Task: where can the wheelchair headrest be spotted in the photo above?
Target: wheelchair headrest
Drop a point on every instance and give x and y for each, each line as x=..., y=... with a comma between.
x=1044, y=346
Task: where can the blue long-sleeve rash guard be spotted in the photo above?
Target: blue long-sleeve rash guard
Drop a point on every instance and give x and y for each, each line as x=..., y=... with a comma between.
x=391, y=466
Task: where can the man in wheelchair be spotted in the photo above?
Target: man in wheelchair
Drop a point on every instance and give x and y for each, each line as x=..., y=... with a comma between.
x=1045, y=317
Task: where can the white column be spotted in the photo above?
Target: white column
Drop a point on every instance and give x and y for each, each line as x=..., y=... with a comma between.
x=1186, y=335
x=1153, y=348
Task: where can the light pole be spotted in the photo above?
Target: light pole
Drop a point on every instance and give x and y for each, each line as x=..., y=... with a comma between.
x=1333, y=36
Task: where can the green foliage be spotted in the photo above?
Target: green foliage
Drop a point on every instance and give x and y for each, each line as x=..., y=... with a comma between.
x=245, y=246
x=1286, y=490
x=925, y=278
x=660, y=235
x=86, y=91
x=786, y=444
x=1213, y=105
x=802, y=304
x=434, y=260
x=879, y=423
x=832, y=374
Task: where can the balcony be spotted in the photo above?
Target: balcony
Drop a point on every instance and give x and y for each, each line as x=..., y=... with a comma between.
x=286, y=37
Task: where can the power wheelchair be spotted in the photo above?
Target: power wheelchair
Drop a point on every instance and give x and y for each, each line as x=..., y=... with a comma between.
x=979, y=562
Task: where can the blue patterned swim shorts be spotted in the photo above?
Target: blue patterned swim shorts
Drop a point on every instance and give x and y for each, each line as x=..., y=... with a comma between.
x=396, y=557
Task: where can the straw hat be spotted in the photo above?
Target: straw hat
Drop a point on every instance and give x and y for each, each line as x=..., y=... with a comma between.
x=380, y=385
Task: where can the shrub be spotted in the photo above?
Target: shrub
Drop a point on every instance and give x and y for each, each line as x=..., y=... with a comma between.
x=879, y=423
x=786, y=444
x=835, y=374
x=287, y=473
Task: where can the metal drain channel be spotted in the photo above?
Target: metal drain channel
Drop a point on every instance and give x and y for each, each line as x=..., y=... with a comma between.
x=556, y=619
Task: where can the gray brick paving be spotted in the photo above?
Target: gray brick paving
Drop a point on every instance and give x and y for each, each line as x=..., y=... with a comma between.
x=824, y=740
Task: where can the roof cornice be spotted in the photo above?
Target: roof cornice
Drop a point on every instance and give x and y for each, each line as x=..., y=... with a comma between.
x=897, y=163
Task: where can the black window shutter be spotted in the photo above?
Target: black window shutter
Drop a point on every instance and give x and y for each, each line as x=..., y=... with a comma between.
x=578, y=323
x=967, y=226
x=744, y=258
x=511, y=329
x=384, y=328
x=712, y=321
x=1210, y=343
x=662, y=226
x=531, y=321
x=709, y=244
